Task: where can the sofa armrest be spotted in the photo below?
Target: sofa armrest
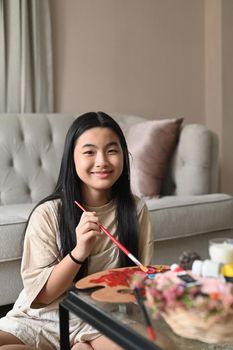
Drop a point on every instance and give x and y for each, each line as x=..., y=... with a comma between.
x=194, y=169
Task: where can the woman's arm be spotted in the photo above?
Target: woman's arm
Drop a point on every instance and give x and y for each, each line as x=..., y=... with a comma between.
x=63, y=273
x=43, y=280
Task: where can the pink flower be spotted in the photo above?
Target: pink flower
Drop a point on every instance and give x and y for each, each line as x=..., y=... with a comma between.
x=216, y=285
x=172, y=293
x=167, y=292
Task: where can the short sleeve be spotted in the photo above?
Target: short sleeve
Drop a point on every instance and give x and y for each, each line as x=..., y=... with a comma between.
x=40, y=249
x=145, y=234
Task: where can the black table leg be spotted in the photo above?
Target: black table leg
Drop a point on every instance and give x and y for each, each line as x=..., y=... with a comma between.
x=64, y=328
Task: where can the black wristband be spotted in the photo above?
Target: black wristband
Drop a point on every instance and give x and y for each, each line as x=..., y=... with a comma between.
x=75, y=260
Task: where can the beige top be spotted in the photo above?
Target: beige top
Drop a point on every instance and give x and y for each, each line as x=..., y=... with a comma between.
x=41, y=248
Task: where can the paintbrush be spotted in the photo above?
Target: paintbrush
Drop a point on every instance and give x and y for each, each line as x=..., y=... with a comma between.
x=150, y=331
x=120, y=246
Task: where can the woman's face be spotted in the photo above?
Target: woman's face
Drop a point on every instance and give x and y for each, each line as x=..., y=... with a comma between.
x=98, y=159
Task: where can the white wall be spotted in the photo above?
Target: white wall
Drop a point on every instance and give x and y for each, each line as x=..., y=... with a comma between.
x=133, y=56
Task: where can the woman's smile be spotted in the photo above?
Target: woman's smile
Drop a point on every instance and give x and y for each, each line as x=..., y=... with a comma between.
x=98, y=159
x=102, y=174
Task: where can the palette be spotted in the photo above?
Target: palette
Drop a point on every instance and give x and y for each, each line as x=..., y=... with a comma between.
x=114, y=284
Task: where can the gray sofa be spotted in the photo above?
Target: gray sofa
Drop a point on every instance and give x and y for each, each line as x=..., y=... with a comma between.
x=188, y=214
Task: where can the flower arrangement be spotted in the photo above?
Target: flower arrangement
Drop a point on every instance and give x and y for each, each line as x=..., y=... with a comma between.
x=193, y=312
x=166, y=291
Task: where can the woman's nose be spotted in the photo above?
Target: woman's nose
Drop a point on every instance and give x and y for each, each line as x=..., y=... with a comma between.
x=101, y=159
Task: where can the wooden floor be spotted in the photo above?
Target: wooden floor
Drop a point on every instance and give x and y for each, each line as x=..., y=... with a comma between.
x=4, y=309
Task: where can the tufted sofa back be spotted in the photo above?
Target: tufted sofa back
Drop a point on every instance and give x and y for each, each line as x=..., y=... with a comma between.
x=31, y=147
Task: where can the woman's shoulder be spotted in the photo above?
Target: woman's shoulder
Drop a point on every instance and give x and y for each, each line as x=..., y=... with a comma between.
x=47, y=207
x=43, y=221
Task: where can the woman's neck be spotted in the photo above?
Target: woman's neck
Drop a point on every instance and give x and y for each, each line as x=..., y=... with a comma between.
x=96, y=198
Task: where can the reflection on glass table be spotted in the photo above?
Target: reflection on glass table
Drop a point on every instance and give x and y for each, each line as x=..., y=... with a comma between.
x=124, y=324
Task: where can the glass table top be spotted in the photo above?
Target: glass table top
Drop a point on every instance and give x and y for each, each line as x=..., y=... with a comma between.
x=131, y=317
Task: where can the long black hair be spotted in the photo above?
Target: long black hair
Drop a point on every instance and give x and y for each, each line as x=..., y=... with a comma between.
x=68, y=189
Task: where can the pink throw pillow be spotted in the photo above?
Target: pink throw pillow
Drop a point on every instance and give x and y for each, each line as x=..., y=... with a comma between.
x=151, y=143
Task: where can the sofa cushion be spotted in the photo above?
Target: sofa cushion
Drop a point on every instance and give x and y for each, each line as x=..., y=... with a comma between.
x=182, y=216
x=196, y=158
x=11, y=282
x=151, y=144
x=13, y=220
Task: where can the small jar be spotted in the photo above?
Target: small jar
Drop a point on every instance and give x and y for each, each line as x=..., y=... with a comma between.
x=206, y=268
x=221, y=250
x=227, y=271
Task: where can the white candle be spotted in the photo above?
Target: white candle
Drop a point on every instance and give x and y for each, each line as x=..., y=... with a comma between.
x=221, y=252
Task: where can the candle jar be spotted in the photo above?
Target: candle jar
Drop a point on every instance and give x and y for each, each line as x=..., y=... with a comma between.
x=221, y=250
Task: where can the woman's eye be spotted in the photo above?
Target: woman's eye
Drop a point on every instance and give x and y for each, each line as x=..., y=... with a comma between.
x=112, y=150
x=88, y=153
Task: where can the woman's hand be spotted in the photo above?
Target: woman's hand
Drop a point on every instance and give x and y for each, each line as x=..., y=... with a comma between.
x=87, y=232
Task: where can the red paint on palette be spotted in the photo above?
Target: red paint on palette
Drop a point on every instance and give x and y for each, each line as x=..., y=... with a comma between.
x=115, y=278
x=122, y=278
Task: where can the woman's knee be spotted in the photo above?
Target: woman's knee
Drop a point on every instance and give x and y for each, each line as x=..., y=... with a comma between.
x=8, y=338
x=104, y=343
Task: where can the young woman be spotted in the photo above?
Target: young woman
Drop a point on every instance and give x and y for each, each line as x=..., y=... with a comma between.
x=63, y=244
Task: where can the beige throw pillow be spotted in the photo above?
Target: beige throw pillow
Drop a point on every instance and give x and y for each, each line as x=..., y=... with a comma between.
x=150, y=143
